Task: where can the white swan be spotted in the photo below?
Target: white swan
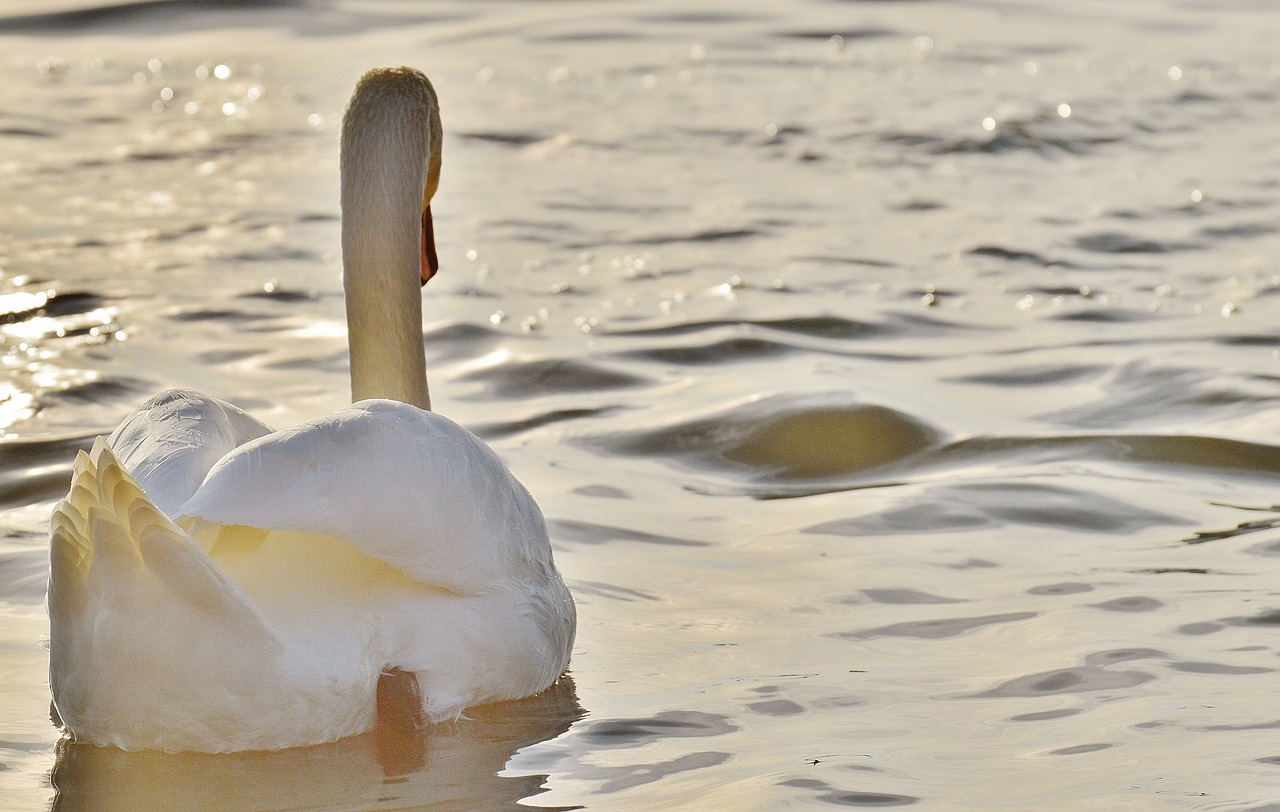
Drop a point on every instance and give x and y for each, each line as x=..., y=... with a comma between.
x=216, y=586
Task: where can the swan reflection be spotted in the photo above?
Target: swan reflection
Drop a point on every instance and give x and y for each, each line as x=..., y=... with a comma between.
x=446, y=766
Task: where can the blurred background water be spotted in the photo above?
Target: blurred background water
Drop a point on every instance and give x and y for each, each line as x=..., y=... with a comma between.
x=899, y=379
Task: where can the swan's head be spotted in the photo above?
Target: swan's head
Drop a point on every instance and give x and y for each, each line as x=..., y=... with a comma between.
x=391, y=136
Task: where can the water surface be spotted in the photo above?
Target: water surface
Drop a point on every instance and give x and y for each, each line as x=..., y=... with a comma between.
x=897, y=378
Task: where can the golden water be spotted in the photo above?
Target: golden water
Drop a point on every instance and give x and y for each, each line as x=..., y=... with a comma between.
x=898, y=379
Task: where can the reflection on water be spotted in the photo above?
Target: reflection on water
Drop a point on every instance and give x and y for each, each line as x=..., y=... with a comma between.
x=898, y=379
x=451, y=766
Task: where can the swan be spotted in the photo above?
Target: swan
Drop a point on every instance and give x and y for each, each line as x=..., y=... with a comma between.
x=217, y=586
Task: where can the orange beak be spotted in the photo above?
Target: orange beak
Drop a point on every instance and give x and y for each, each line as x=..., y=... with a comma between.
x=430, y=262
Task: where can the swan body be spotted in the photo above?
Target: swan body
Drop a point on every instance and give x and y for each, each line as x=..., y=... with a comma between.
x=218, y=586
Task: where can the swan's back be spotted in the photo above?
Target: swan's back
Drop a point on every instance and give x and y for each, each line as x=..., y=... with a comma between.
x=308, y=562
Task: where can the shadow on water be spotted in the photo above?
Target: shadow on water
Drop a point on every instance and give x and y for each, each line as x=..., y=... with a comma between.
x=451, y=766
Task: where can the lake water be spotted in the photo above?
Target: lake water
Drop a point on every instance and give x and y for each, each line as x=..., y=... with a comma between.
x=899, y=379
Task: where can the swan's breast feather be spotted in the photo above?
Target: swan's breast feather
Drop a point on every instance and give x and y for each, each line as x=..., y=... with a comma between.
x=403, y=485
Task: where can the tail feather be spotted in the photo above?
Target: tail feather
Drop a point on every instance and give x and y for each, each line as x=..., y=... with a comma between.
x=107, y=513
x=129, y=589
x=69, y=559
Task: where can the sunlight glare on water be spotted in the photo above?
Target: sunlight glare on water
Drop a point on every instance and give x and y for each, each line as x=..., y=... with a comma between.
x=899, y=380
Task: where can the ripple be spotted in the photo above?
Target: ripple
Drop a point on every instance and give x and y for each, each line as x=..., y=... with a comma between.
x=699, y=17
x=1140, y=393
x=588, y=36
x=776, y=707
x=1198, y=629
x=186, y=15
x=1044, y=136
x=1266, y=617
x=199, y=314
x=629, y=777
x=33, y=316
x=1080, y=749
x=973, y=564
x=513, y=139
x=834, y=328
x=1240, y=230
x=215, y=357
x=73, y=302
x=279, y=254
x=491, y=431
x=841, y=452
x=611, y=592
x=459, y=340
x=1136, y=603
x=1066, y=588
x=1050, y=375
x=1095, y=675
x=1218, y=668
x=25, y=132
x=337, y=362
x=1271, y=725
x=602, y=492
x=825, y=34
x=1014, y=255
x=919, y=205
x=671, y=724
x=550, y=376
x=905, y=597
x=1248, y=340
x=863, y=262
x=783, y=439
x=1270, y=549
x=965, y=506
x=34, y=471
x=1162, y=450
x=24, y=575
x=582, y=532
x=838, y=797
x=101, y=390
x=706, y=235
x=1066, y=681
x=1269, y=617
x=279, y=293
x=938, y=629
x=1112, y=315
x=721, y=352
x=1113, y=242
x=1243, y=528
x=1046, y=716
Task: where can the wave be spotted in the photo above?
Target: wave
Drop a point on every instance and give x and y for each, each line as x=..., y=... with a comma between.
x=784, y=446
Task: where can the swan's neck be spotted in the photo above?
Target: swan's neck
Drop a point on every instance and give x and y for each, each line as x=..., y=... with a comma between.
x=384, y=161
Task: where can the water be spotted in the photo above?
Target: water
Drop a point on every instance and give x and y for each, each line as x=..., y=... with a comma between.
x=897, y=378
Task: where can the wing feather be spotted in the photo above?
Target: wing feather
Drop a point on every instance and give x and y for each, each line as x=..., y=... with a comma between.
x=403, y=485
x=108, y=539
